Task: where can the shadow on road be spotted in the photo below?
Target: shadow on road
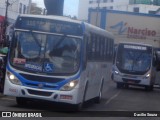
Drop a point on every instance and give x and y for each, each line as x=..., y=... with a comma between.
x=39, y=105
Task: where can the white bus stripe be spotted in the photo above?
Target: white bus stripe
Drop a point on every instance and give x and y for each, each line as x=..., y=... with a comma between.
x=10, y=99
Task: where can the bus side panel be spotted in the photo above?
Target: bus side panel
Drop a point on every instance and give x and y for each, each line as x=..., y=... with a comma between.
x=93, y=73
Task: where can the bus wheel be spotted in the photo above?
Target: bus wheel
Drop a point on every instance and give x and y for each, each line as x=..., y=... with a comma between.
x=78, y=107
x=126, y=86
x=99, y=97
x=21, y=101
x=149, y=88
x=120, y=85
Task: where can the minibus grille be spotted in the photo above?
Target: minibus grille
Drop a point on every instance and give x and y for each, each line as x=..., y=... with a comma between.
x=41, y=78
x=131, y=80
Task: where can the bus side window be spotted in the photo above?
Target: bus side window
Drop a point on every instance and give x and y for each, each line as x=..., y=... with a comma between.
x=93, y=47
x=89, y=47
x=107, y=49
x=97, y=48
x=114, y=54
x=109, y=43
x=102, y=48
x=112, y=49
x=85, y=56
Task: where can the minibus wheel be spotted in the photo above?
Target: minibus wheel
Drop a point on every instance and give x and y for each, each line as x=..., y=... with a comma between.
x=120, y=85
x=126, y=86
x=149, y=88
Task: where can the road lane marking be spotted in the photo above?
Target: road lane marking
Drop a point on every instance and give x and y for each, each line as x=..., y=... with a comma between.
x=9, y=99
x=113, y=97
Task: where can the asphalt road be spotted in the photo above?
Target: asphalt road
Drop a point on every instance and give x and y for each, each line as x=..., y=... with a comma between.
x=132, y=99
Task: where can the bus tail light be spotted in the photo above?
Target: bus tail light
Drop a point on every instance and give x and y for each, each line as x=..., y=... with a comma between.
x=13, y=79
x=69, y=86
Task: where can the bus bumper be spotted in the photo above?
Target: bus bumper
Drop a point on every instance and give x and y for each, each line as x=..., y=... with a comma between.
x=70, y=97
x=132, y=80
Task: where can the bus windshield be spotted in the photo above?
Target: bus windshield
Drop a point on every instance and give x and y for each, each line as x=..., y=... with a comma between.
x=45, y=53
x=134, y=60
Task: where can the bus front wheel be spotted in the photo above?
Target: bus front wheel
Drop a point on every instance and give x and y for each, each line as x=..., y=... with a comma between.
x=78, y=107
x=99, y=97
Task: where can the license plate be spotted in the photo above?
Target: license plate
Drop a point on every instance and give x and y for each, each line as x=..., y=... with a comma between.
x=131, y=81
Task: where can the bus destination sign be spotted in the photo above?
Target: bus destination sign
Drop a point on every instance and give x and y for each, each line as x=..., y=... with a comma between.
x=135, y=47
x=48, y=25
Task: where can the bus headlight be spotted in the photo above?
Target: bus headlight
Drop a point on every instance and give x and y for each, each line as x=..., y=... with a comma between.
x=69, y=86
x=13, y=79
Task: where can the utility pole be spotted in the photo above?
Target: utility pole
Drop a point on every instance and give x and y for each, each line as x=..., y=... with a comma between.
x=98, y=1
x=6, y=23
x=6, y=13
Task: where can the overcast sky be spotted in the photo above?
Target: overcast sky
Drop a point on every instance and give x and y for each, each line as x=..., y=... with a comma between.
x=70, y=6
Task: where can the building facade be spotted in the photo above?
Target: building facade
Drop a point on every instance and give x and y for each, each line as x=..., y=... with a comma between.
x=15, y=7
x=139, y=6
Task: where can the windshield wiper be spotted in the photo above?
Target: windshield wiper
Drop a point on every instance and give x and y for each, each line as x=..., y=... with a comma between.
x=136, y=59
x=61, y=40
x=35, y=39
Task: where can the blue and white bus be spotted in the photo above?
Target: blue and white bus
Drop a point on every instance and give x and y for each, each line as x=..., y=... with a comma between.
x=57, y=59
x=134, y=64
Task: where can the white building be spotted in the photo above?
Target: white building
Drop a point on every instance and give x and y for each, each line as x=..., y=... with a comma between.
x=15, y=8
x=141, y=6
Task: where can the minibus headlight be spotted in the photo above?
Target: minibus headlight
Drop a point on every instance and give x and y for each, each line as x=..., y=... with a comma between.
x=116, y=72
x=69, y=86
x=148, y=75
x=13, y=79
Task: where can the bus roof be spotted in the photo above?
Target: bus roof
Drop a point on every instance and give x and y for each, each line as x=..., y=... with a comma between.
x=61, y=18
x=97, y=30
x=136, y=44
x=87, y=28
